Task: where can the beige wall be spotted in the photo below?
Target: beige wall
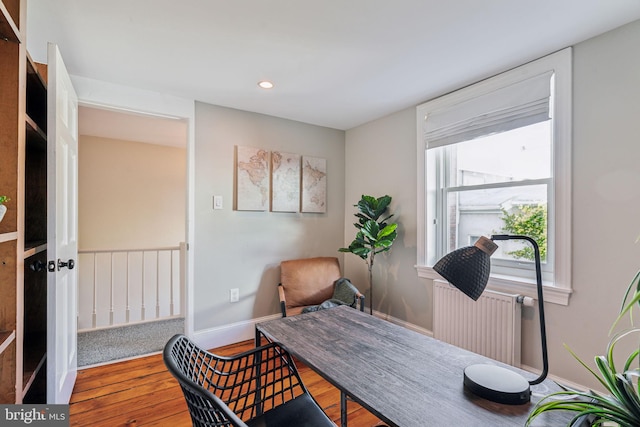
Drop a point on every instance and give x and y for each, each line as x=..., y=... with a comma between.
x=130, y=194
x=381, y=159
x=606, y=194
x=606, y=206
x=240, y=249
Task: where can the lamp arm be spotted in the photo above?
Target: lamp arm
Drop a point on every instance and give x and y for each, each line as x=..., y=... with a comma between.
x=543, y=331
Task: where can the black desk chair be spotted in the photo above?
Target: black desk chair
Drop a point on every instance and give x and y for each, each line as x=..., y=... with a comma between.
x=257, y=388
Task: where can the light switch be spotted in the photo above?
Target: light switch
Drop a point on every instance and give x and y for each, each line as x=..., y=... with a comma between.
x=217, y=202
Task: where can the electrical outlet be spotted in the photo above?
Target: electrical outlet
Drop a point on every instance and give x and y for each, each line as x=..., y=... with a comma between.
x=234, y=295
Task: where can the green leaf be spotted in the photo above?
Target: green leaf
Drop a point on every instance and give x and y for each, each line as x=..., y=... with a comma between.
x=386, y=231
x=361, y=252
x=370, y=229
x=585, y=366
x=383, y=221
x=373, y=208
x=382, y=203
x=627, y=307
x=385, y=243
x=367, y=206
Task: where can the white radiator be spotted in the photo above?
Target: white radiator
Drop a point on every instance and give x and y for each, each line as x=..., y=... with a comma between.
x=489, y=326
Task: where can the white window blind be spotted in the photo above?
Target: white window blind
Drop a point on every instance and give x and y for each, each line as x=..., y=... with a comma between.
x=520, y=104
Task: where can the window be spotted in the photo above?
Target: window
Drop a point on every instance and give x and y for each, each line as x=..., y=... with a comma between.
x=495, y=158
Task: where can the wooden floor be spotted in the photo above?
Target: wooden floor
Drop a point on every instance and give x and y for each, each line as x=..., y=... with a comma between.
x=141, y=392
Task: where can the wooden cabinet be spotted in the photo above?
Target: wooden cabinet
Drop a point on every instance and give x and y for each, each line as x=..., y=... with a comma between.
x=34, y=316
x=23, y=233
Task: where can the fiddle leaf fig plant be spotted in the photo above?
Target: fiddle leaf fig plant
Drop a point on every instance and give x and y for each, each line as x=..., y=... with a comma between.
x=375, y=235
x=621, y=406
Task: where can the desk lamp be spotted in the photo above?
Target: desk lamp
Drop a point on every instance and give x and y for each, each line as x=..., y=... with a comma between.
x=468, y=270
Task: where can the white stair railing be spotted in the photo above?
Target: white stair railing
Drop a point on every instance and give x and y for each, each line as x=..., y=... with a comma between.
x=124, y=286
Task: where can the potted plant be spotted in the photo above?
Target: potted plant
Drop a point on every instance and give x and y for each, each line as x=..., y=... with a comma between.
x=3, y=208
x=621, y=407
x=374, y=235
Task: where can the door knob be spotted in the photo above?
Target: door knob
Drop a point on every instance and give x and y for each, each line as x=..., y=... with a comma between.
x=69, y=264
x=37, y=266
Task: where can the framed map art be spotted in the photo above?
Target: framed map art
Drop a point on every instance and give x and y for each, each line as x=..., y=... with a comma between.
x=291, y=182
x=252, y=172
x=314, y=184
x=285, y=182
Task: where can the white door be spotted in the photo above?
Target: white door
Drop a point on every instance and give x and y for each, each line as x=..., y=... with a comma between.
x=62, y=230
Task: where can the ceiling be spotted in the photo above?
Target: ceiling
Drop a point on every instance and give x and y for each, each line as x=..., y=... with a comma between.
x=334, y=63
x=129, y=126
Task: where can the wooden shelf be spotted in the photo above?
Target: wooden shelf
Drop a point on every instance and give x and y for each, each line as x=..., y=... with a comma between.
x=35, y=219
x=32, y=248
x=35, y=134
x=34, y=71
x=31, y=374
x=36, y=107
x=6, y=338
x=7, y=237
x=8, y=29
x=34, y=358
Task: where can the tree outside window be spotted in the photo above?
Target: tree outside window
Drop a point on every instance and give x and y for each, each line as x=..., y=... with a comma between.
x=528, y=220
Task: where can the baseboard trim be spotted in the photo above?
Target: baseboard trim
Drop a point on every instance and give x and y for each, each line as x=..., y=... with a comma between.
x=229, y=334
x=403, y=323
x=562, y=381
x=241, y=331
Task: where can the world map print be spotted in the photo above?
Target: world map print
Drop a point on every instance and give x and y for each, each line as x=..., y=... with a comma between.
x=253, y=179
x=285, y=182
x=314, y=184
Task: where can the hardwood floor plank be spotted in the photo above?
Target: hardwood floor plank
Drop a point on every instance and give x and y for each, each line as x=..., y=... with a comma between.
x=141, y=392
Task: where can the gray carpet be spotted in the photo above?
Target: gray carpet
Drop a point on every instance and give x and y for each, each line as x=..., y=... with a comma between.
x=106, y=345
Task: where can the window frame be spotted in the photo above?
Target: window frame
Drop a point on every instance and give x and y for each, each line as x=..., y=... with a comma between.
x=560, y=63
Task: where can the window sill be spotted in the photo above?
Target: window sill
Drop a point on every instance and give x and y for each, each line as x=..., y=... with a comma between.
x=512, y=285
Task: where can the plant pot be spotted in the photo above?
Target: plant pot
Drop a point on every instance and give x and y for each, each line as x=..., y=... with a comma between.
x=3, y=210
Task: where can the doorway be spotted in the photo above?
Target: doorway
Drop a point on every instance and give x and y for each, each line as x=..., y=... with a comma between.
x=132, y=174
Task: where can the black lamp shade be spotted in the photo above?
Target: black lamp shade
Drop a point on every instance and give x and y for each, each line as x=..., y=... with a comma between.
x=468, y=268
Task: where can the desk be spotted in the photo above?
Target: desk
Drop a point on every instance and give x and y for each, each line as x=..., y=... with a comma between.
x=405, y=378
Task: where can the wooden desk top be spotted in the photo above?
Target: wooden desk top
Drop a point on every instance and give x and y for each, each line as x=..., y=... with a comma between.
x=405, y=378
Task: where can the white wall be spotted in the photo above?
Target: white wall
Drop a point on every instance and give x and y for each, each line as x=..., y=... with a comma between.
x=606, y=206
x=130, y=194
x=240, y=249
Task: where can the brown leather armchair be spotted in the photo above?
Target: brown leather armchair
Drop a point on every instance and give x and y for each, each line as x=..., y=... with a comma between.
x=308, y=282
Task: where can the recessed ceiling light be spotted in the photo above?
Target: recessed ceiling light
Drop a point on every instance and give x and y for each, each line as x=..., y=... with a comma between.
x=265, y=84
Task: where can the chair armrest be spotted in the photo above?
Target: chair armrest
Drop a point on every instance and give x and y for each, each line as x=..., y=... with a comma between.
x=360, y=297
x=283, y=301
